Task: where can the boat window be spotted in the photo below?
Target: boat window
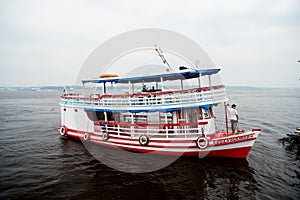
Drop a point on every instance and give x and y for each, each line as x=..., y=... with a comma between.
x=192, y=115
x=100, y=116
x=200, y=113
x=110, y=116
x=95, y=116
x=92, y=115
x=163, y=116
x=188, y=115
x=140, y=118
x=207, y=113
x=116, y=117
x=153, y=118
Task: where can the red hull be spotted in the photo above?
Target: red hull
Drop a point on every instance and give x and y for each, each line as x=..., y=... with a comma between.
x=240, y=153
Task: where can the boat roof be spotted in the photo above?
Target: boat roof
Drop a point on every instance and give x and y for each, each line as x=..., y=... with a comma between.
x=181, y=75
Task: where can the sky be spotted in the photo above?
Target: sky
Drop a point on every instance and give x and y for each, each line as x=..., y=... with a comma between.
x=254, y=42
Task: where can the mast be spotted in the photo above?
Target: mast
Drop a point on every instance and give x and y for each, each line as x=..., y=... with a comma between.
x=160, y=53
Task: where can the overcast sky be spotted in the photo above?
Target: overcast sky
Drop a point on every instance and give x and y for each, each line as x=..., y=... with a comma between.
x=254, y=42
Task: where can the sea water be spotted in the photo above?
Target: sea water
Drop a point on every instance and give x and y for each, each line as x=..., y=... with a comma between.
x=36, y=163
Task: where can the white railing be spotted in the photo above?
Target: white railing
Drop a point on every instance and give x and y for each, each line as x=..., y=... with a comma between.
x=185, y=130
x=179, y=97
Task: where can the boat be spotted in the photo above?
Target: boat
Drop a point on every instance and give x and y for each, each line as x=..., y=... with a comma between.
x=172, y=118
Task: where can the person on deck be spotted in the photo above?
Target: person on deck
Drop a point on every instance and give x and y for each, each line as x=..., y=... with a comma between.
x=144, y=89
x=233, y=117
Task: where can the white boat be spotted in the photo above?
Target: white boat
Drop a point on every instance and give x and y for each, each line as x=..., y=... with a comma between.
x=171, y=118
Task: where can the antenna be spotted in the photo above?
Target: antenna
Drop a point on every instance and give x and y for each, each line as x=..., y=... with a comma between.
x=160, y=53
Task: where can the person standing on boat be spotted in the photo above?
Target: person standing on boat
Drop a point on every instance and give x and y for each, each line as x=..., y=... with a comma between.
x=233, y=117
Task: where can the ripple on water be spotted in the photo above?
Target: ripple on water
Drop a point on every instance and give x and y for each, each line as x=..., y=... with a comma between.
x=37, y=164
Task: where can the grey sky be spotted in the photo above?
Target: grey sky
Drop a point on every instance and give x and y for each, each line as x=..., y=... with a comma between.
x=255, y=42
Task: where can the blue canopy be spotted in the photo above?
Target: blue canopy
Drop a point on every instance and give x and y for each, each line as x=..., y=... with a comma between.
x=164, y=110
x=205, y=107
x=156, y=78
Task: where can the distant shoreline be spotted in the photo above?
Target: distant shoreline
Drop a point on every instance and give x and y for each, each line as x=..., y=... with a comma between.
x=70, y=87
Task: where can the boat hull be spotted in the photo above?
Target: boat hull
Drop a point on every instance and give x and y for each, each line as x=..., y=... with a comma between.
x=234, y=146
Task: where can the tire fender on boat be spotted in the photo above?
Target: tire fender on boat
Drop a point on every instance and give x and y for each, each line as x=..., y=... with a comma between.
x=144, y=140
x=202, y=142
x=62, y=130
x=105, y=136
x=86, y=136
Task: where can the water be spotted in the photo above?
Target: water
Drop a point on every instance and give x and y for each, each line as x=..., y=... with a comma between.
x=37, y=164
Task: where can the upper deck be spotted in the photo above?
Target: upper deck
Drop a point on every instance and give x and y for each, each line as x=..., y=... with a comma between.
x=150, y=101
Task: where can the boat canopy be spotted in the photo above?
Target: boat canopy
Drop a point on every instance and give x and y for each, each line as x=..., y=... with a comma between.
x=156, y=78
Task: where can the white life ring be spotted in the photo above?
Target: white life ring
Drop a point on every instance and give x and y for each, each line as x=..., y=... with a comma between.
x=202, y=142
x=85, y=136
x=144, y=140
x=62, y=130
x=105, y=136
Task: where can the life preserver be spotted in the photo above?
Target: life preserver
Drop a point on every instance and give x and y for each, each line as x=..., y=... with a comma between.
x=202, y=142
x=105, y=136
x=144, y=140
x=108, y=75
x=85, y=136
x=62, y=130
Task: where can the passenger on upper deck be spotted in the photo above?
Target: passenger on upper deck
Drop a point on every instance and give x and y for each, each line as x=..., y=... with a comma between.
x=144, y=89
x=152, y=89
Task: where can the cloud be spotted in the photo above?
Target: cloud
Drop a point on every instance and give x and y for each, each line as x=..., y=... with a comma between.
x=57, y=36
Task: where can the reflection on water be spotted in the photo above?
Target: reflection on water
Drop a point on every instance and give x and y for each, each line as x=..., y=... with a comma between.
x=186, y=178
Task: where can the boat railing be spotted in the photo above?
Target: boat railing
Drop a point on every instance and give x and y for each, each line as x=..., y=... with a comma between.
x=175, y=130
x=194, y=95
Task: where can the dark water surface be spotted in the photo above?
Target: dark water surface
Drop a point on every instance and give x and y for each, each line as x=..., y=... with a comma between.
x=35, y=163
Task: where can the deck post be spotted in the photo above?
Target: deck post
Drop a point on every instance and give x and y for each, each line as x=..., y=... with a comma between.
x=129, y=87
x=104, y=87
x=162, y=83
x=199, y=81
x=132, y=88
x=132, y=126
x=226, y=118
x=181, y=83
x=166, y=122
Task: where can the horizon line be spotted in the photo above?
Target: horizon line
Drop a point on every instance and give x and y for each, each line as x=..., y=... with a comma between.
x=245, y=86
